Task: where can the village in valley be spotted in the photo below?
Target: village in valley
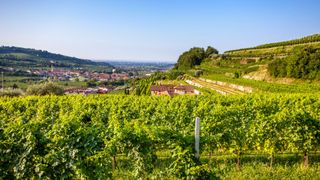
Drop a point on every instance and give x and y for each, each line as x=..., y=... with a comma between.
x=85, y=82
x=80, y=75
x=64, y=75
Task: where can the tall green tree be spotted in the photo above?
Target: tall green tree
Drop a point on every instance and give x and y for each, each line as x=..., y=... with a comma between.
x=193, y=57
x=210, y=50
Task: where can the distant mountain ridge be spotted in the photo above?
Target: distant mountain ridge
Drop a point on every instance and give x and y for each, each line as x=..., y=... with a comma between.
x=11, y=56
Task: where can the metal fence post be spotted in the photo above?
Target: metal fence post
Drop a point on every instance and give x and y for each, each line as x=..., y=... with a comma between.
x=197, y=138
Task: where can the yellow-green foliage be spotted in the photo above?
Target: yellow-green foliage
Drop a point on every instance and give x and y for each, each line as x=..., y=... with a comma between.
x=271, y=52
x=45, y=89
x=11, y=92
x=313, y=39
x=56, y=137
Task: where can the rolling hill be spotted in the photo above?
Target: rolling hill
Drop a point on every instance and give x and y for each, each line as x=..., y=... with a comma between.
x=253, y=62
x=278, y=49
x=288, y=66
x=26, y=58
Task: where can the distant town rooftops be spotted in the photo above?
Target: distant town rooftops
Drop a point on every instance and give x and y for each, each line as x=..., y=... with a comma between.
x=184, y=88
x=162, y=87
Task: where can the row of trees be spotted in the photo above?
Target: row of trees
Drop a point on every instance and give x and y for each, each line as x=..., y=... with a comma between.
x=193, y=57
x=307, y=39
x=303, y=63
x=92, y=136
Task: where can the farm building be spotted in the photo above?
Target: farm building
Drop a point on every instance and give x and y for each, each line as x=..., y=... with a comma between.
x=172, y=90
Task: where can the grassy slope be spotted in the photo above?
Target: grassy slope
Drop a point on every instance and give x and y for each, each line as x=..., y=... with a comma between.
x=24, y=82
x=278, y=47
x=225, y=72
x=271, y=51
x=262, y=86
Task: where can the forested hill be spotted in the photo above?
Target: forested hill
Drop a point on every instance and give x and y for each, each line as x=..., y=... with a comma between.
x=32, y=58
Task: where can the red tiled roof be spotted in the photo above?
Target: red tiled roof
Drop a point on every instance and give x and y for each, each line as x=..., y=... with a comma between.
x=162, y=88
x=170, y=89
x=184, y=88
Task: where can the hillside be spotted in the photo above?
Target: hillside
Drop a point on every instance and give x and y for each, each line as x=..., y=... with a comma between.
x=277, y=49
x=25, y=58
x=289, y=66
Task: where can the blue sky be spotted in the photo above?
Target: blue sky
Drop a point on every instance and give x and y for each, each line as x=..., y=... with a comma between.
x=152, y=30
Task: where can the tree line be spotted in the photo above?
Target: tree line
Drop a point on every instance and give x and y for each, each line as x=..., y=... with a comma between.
x=304, y=63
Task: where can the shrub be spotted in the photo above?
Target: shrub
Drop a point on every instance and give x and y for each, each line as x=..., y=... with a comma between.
x=237, y=74
x=11, y=92
x=198, y=73
x=45, y=89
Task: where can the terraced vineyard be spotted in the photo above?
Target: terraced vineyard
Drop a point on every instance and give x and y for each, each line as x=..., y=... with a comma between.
x=278, y=48
x=220, y=87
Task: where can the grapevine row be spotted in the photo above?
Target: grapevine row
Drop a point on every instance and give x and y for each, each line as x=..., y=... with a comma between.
x=82, y=136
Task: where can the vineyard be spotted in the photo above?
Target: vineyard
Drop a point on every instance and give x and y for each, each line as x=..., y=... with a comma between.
x=263, y=86
x=146, y=137
x=304, y=40
x=217, y=86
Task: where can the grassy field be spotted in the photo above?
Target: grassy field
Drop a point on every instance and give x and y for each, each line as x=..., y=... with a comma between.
x=21, y=81
x=262, y=86
x=24, y=82
x=71, y=84
x=210, y=67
